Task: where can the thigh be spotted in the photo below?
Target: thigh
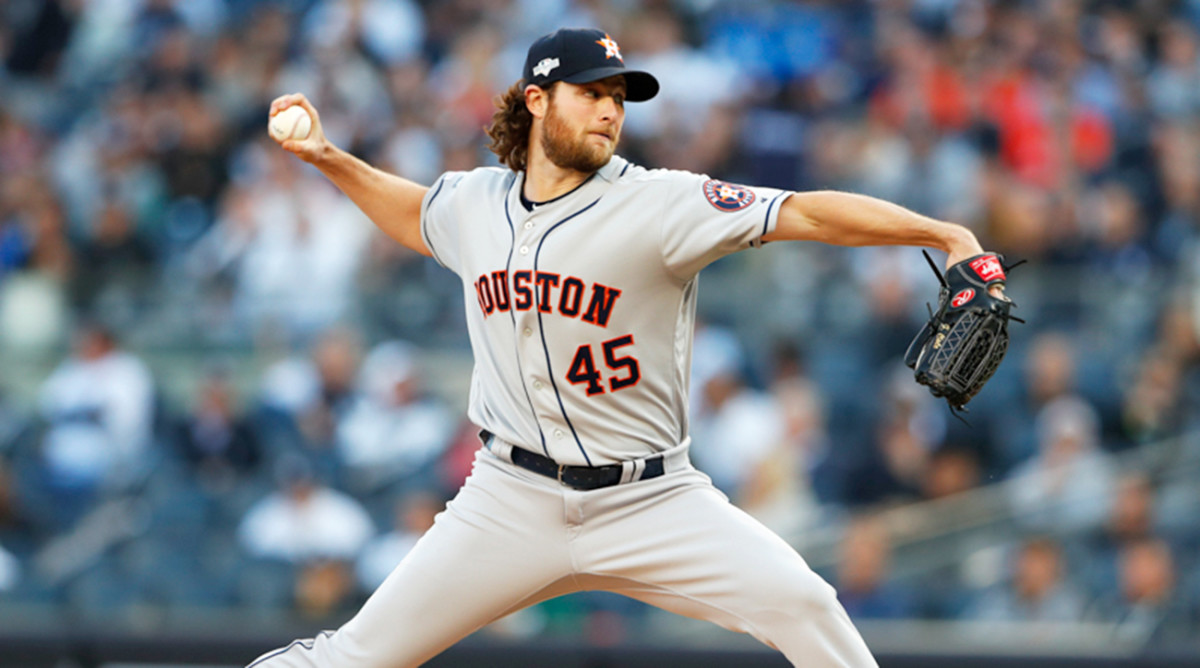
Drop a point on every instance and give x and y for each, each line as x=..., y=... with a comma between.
x=686, y=549
x=498, y=544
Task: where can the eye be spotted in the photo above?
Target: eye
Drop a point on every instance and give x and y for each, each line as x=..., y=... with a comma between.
x=620, y=99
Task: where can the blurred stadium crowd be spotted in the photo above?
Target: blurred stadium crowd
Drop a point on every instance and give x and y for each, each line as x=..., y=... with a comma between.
x=149, y=227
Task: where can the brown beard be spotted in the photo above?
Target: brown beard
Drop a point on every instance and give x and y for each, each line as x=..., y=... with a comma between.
x=567, y=151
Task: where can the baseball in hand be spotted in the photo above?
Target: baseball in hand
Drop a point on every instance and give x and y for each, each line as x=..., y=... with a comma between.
x=291, y=123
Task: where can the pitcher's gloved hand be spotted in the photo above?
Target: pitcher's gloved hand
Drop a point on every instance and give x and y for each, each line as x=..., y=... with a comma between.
x=961, y=346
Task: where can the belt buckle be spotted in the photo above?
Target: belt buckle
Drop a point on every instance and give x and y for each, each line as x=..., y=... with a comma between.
x=561, y=468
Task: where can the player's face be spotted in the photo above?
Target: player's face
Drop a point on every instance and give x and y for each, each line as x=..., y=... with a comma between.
x=583, y=123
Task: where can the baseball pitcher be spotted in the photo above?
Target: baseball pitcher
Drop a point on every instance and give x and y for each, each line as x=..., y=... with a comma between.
x=579, y=277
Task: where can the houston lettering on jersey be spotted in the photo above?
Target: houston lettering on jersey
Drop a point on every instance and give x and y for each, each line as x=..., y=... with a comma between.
x=547, y=292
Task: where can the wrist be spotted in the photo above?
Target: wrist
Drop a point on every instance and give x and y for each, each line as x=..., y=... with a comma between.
x=328, y=158
x=959, y=243
x=325, y=152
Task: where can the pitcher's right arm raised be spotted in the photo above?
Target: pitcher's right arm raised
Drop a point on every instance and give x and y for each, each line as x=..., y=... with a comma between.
x=391, y=202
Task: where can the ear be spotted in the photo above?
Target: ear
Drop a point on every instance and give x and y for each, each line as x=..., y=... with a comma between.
x=537, y=100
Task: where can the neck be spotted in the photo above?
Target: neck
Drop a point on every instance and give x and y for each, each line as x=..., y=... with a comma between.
x=545, y=180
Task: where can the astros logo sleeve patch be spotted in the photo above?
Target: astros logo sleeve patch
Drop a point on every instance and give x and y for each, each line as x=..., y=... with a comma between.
x=727, y=196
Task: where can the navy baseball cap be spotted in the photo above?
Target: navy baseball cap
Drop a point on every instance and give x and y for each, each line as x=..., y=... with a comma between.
x=580, y=55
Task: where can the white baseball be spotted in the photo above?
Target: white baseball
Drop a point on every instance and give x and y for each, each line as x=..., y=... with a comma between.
x=291, y=123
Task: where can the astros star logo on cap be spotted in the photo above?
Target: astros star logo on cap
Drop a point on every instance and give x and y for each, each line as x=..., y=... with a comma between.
x=571, y=55
x=610, y=47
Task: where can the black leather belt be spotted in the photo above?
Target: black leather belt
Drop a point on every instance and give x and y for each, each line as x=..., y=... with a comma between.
x=577, y=477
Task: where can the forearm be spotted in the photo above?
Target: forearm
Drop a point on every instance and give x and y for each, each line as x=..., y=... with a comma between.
x=391, y=202
x=847, y=219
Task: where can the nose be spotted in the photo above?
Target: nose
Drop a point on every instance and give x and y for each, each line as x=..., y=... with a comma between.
x=608, y=108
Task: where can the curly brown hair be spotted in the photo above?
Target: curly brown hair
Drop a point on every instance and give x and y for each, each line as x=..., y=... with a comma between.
x=510, y=127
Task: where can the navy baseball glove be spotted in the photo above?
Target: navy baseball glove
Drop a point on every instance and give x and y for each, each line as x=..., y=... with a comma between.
x=961, y=346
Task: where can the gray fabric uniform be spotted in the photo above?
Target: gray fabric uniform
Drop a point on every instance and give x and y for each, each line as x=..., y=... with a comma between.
x=580, y=314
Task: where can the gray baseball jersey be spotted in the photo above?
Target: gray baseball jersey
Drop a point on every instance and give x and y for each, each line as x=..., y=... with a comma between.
x=580, y=315
x=580, y=312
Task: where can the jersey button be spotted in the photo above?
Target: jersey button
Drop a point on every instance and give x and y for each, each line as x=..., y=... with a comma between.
x=558, y=433
x=528, y=332
x=524, y=250
x=537, y=384
x=529, y=226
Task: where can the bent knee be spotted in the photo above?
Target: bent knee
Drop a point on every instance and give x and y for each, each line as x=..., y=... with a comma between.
x=800, y=597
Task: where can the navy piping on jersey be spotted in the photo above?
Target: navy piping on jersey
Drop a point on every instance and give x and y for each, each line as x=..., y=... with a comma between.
x=425, y=236
x=306, y=644
x=530, y=204
x=767, y=219
x=624, y=169
x=512, y=314
x=549, y=369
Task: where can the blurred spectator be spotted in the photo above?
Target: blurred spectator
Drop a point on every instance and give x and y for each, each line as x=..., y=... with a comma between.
x=1131, y=518
x=1133, y=510
x=1049, y=373
x=692, y=126
x=98, y=407
x=1179, y=333
x=304, y=397
x=952, y=470
x=304, y=520
x=109, y=159
x=1151, y=408
x=10, y=570
x=459, y=459
x=114, y=264
x=1175, y=231
x=1118, y=227
x=15, y=526
x=1050, y=368
x=773, y=43
x=390, y=31
x=1021, y=218
x=210, y=265
x=890, y=277
x=1114, y=220
x=1174, y=82
x=324, y=587
x=414, y=149
x=1067, y=488
x=293, y=245
x=1038, y=590
x=1145, y=604
x=913, y=427
x=413, y=516
x=35, y=227
x=13, y=422
x=40, y=32
x=863, y=580
x=778, y=491
x=910, y=428
x=17, y=146
x=318, y=530
x=738, y=429
x=1046, y=134
x=303, y=228
x=195, y=160
x=393, y=429
x=715, y=350
x=467, y=79
x=216, y=439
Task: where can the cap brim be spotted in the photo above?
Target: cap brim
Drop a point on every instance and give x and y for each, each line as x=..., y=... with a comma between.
x=639, y=86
